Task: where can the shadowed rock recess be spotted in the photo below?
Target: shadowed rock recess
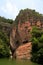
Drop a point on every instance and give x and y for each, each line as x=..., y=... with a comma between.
x=20, y=36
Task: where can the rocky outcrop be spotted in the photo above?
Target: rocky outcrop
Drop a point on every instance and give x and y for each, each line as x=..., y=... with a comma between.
x=24, y=51
x=21, y=31
x=22, y=35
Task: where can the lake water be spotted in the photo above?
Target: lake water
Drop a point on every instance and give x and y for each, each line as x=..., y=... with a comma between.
x=16, y=62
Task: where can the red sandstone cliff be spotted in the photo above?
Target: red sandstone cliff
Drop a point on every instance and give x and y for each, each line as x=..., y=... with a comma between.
x=21, y=33
x=24, y=51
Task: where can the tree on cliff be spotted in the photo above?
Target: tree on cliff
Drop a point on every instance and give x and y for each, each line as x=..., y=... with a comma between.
x=27, y=14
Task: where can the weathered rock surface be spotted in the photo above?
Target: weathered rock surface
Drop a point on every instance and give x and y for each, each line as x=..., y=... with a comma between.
x=24, y=51
x=21, y=36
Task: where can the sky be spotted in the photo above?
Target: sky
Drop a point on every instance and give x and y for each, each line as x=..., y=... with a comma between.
x=10, y=8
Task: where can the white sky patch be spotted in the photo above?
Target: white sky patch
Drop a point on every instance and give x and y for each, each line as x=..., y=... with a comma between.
x=26, y=4
x=10, y=9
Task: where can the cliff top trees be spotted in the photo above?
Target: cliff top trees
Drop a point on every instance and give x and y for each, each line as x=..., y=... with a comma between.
x=28, y=14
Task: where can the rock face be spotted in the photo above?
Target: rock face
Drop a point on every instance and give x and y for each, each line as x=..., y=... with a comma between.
x=24, y=51
x=21, y=36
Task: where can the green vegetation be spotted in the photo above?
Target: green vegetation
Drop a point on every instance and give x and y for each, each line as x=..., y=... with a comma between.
x=2, y=19
x=37, y=45
x=4, y=45
x=5, y=26
x=28, y=14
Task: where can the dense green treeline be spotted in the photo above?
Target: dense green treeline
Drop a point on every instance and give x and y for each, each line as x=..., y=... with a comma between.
x=5, y=26
x=4, y=45
x=37, y=45
x=3, y=19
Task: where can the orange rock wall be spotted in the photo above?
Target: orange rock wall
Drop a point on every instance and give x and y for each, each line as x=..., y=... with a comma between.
x=24, y=51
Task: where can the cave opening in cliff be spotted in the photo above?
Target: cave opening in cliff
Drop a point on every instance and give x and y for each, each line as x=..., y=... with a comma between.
x=17, y=43
x=26, y=41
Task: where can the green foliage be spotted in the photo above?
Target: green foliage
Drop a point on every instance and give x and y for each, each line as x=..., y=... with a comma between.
x=37, y=45
x=27, y=14
x=41, y=39
x=2, y=19
x=4, y=45
x=34, y=45
x=5, y=26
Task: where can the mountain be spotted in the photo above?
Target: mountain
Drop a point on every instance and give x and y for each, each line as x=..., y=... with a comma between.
x=22, y=27
x=28, y=14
